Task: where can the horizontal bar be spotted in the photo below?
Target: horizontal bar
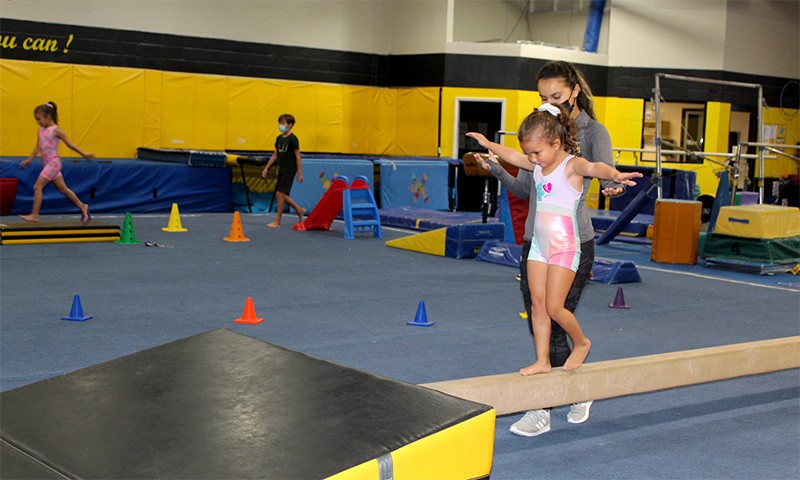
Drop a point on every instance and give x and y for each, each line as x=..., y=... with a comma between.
x=708, y=80
x=683, y=152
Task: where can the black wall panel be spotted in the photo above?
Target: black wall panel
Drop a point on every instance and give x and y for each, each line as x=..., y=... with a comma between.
x=123, y=48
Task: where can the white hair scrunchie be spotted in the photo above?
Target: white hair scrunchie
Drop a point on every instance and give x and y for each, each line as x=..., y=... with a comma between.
x=549, y=108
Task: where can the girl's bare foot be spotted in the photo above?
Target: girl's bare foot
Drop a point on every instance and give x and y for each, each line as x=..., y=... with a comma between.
x=273, y=225
x=85, y=217
x=538, y=367
x=578, y=355
x=301, y=213
x=30, y=218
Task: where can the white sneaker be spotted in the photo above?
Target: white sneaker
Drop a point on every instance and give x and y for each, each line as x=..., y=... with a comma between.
x=579, y=412
x=535, y=422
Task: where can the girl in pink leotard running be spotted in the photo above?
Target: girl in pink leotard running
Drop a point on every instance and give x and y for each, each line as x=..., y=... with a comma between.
x=49, y=135
x=548, y=139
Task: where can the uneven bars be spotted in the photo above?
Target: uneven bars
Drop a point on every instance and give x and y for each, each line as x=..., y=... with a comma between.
x=759, y=111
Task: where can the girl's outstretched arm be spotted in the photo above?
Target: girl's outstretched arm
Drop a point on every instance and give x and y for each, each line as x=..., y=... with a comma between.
x=63, y=136
x=585, y=168
x=507, y=154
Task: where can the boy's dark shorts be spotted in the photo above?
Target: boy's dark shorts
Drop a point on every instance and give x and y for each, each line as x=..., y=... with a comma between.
x=285, y=181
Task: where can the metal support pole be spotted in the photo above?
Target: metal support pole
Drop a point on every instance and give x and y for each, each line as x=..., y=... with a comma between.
x=658, y=136
x=760, y=150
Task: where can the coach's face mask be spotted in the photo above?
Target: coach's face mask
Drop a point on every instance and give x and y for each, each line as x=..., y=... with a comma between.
x=567, y=106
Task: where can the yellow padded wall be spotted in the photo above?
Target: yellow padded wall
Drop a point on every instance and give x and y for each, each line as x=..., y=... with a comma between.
x=623, y=118
x=355, y=136
x=153, y=82
x=301, y=101
x=329, y=118
x=781, y=165
x=417, y=122
x=249, y=119
x=194, y=111
x=718, y=123
x=383, y=121
x=108, y=110
x=525, y=102
x=23, y=86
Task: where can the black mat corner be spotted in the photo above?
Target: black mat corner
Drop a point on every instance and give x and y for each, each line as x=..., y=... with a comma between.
x=220, y=405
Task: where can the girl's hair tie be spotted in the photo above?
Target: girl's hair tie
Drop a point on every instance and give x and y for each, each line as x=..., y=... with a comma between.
x=549, y=108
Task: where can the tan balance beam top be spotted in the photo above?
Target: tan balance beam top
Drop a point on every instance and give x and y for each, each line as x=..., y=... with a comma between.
x=511, y=392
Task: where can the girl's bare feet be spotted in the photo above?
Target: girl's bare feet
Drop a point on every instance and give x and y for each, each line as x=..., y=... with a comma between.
x=85, y=217
x=30, y=218
x=538, y=367
x=301, y=213
x=273, y=225
x=578, y=355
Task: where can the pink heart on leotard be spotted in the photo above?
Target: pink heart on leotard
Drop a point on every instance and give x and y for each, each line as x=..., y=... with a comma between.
x=547, y=187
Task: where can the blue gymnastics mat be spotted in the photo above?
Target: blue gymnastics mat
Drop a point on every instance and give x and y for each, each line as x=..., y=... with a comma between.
x=602, y=219
x=423, y=219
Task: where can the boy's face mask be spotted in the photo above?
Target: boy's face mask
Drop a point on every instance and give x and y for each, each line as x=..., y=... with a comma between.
x=282, y=128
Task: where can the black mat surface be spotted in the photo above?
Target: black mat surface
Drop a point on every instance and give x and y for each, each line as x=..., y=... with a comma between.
x=17, y=465
x=219, y=405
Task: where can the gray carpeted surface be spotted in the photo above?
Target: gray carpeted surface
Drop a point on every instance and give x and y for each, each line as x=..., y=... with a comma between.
x=349, y=300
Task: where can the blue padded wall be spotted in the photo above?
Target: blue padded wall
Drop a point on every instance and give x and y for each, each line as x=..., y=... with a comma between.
x=119, y=186
x=414, y=183
x=319, y=172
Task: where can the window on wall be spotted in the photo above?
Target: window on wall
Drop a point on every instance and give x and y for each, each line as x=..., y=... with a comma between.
x=554, y=23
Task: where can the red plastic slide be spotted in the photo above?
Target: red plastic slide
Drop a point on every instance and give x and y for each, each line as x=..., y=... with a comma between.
x=326, y=211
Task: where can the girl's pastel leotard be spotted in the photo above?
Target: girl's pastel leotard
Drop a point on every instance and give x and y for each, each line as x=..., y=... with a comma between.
x=48, y=145
x=555, y=235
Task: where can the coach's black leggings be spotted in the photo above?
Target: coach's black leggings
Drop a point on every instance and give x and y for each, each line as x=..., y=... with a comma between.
x=559, y=345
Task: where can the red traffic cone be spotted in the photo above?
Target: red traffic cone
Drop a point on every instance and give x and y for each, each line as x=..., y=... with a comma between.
x=76, y=312
x=421, y=318
x=249, y=315
x=619, y=300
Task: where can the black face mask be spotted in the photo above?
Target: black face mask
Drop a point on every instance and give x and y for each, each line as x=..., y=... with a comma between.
x=567, y=106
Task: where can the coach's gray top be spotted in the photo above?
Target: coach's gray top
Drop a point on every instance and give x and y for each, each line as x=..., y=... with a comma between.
x=594, y=144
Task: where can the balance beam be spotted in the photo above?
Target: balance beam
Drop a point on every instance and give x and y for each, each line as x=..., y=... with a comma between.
x=512, y=393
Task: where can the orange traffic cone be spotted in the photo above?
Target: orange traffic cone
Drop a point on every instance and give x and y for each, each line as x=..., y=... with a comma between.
x=236, y=235
x=249, y=315
x=619, y=300
x=174, y=224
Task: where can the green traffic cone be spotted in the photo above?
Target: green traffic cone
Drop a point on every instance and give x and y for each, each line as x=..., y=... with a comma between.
x=128, y=237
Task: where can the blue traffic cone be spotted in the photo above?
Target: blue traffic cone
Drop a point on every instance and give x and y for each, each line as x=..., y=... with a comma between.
x=76, y=313
x=421, y=319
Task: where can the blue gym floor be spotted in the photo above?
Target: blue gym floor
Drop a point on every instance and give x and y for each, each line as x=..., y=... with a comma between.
x=348, y=301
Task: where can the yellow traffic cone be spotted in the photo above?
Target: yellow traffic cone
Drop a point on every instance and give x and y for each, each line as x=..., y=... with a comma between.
x=237, y=234
x=174, y=224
